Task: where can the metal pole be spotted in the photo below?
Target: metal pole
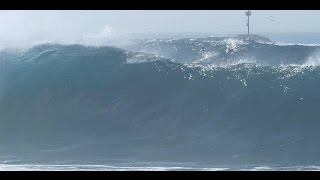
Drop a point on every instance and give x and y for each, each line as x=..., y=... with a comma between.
x=248, y=26
x=248, y=13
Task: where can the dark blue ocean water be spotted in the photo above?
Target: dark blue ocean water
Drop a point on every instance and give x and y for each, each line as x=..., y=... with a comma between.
x=161, y=104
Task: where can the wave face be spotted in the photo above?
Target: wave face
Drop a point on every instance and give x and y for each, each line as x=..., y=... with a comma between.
x=161, y=101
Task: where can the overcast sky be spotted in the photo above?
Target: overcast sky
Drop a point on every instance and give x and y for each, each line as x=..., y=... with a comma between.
x=18, y=27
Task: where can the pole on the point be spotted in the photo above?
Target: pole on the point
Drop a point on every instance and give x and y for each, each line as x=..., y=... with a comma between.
x=248, y=13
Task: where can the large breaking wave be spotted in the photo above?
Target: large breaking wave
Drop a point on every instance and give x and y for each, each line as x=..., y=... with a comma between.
x=174, y=100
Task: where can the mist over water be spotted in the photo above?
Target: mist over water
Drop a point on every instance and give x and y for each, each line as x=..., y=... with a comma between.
x=30, y=28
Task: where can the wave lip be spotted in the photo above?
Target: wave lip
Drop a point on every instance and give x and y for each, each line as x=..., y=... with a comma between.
x=225, y=52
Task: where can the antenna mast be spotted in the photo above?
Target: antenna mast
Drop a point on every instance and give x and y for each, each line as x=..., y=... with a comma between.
x=248, y=13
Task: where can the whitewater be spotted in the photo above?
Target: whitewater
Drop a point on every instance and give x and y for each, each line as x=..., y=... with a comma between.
x=161, y=104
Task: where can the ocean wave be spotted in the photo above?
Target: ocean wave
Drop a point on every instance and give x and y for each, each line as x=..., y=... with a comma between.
x=172, y=105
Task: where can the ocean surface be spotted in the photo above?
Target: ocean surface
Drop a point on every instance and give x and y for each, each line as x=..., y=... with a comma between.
x=161, y=104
